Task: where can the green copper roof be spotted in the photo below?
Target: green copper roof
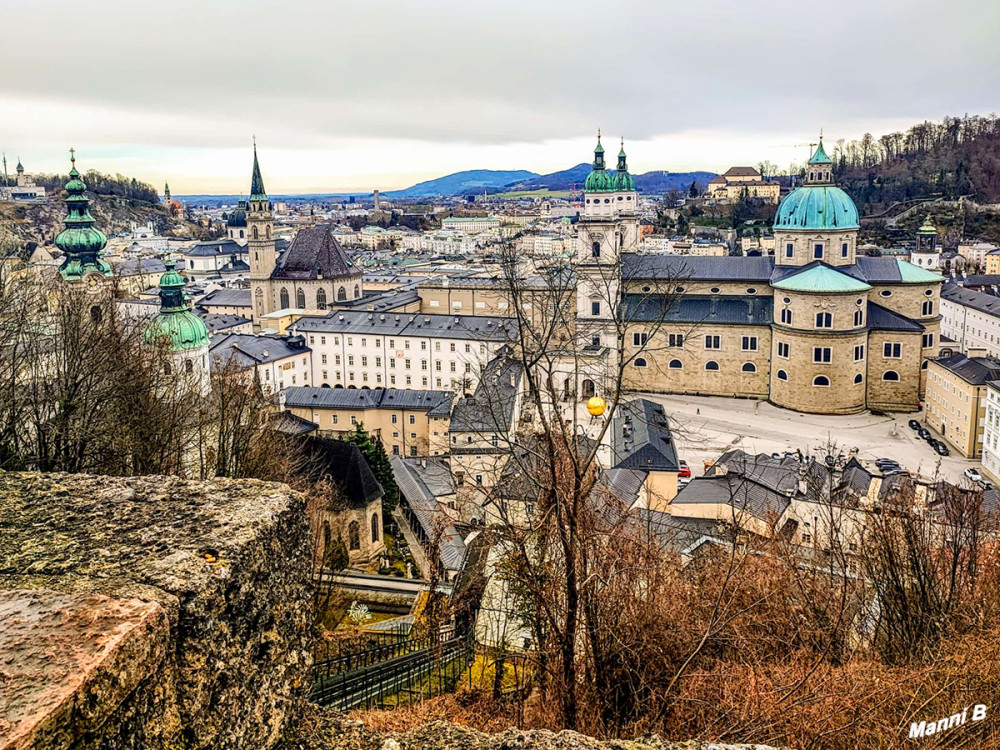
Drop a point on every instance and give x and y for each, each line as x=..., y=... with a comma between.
x=81, y=242
x=927, y=227
x=257, y=192
x=182, y=328
x=599, y=180
x=820, y=157
x=821, y=278
x=911, y=274
x=817, y=207
x=622, y=179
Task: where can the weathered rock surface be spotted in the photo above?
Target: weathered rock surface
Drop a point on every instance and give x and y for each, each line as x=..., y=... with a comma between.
x=321, y=729
x=150, y=612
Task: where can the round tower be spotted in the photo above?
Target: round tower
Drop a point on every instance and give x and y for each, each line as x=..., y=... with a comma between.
x=925, y=252
x=183, y=333
x=817, y=221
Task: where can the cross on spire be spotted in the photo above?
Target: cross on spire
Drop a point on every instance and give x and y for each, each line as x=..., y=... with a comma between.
x=72, y=156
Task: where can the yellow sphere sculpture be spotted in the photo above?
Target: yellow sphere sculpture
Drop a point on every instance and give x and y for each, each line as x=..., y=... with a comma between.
x=596, y=406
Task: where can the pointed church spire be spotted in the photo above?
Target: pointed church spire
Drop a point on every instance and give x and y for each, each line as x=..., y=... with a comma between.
x=819, y=156
x=257, y=192
x=599, y=152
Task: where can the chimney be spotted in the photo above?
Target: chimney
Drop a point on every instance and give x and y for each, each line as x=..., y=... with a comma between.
x=975, y=351
x=803, y=484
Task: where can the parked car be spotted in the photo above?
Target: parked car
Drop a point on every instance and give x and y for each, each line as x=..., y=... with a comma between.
x=685, y=472
x=880, y=461
x=973, y=474
x=914, y=424
x=925, y=434
x=941, y=448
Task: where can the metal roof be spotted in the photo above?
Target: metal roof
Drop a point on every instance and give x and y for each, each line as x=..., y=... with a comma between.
x=820, y=278
x=249, y=350
x=883, y=319
x=435, y=403
x=641, y=437
x=226, y=298
x=742, y=310
x=477, y=327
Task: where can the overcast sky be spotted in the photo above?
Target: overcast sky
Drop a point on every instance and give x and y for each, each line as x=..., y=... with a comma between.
x=383, y=93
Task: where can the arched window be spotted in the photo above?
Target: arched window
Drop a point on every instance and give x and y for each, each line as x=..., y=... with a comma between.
x=749, y=367
x=859, y=317
x=711, y=365
x=675, y=364
x=858, y=379
x=786, y=316
x=300, y=300
x=255, y=235
x=283, y=295
x=782, y=375
x=241, y=234
x=595, y=249
x=188, y=366
x=822, y=380
x=357, y=291
x=341, y=294
x=927, y=308
x=354, y=535
x=824, y=320
x=640, y=362
x=923, y=365
x=166, y=368
x=321, y=299
x=375, y=534
x=96, y=314
x=890, y=375
x=588, y=389
x=268, y=230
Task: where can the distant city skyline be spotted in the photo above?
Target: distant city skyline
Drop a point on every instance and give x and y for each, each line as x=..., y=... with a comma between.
x=349, y=97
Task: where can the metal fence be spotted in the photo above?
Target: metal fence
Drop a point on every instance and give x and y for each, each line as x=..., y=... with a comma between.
x=408, y=671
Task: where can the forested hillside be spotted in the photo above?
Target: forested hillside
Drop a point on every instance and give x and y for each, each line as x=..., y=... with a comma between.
x=959, y=156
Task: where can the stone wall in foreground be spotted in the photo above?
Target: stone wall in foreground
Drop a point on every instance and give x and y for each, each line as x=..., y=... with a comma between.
x=150, y=612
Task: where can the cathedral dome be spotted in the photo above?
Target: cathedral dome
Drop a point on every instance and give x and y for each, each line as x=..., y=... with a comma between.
x=817, y=207
x=238, y=218
x=176, y=323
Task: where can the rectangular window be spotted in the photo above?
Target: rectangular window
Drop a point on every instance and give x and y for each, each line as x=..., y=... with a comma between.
x=334, y=418
x=323, y=358
x=749, y=343
x=859, y=352
x=595, y=308
x=928, y=340
x=783, y=349
x=789, y=250
x=822, y=354
x=843, y=250
x=394, y=417
x=639, y=339
x=786, y=316
x=413, y=419
x=891, y=350
x=675, y=339
x=818, y=251
x=713, y=342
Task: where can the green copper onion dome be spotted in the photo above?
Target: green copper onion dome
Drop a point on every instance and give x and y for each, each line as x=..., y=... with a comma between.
x=599, y=180
x=176, y=322
x=238, y=218
x=623, y=181
x=817, y=207
x=927, y=227
x=80, y=241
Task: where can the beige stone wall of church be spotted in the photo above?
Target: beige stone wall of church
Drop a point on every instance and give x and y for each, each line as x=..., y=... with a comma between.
x=804, y=308
x=889, y=395
x=692, y=377
x=804, y=245
x=842, y=396
x=907, y=299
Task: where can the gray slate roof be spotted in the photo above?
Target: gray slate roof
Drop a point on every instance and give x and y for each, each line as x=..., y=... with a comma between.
x=478, y=327
x=985, y=303
x=883, y=319
x=977, y=370
x=435, y=403
x=314, y=253
x=743, y=310
x=217, y=322
x=428, y=512
x=226, y=298
x=215, y=247
x=249, y=350
x=491, y=407
x=641, y=437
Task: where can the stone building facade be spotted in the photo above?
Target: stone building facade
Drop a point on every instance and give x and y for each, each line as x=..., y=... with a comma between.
x=314, y=273
x=814, y=328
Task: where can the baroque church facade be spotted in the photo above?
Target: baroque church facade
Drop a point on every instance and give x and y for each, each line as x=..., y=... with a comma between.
x=815, y=328
x=312, y=274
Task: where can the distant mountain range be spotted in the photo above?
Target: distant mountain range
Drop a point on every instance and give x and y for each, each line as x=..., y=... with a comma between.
x=649, y=182
x=470, y=182
x=478, y=181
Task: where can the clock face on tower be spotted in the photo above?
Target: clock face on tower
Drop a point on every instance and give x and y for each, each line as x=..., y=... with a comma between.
x=92, y=280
